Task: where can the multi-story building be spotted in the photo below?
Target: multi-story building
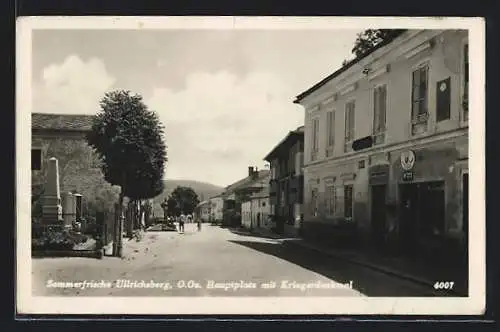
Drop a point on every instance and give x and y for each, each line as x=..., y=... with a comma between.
x=286, y=181
x=386, y=144
x=237, y=193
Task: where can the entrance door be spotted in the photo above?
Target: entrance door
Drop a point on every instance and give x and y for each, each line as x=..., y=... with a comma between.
x=408, y=222
x=465, y=208
x=378, y=206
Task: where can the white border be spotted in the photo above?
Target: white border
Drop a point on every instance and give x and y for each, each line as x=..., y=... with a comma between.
x=474, y=304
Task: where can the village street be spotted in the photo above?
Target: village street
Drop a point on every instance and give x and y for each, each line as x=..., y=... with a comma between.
x=214, y=262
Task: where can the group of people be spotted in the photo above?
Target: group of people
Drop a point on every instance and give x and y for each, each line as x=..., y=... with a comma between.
x=187, y=219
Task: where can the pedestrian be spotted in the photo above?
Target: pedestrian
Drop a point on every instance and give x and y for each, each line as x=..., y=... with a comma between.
x=182, y=220
x=198, y=221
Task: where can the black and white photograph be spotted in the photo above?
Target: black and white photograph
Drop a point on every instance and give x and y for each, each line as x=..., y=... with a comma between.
x=250, y=165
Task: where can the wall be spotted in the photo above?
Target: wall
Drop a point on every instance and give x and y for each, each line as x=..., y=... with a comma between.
x=217, y=208
x=79, y=170
x=246, y=214
x=442, y=146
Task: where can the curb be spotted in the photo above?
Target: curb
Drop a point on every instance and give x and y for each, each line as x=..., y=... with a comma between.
x=68, y=253
x=378, y=268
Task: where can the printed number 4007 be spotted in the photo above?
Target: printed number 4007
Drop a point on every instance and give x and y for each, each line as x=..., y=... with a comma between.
x=444, y=285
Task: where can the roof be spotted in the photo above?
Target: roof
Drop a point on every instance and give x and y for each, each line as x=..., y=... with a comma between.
x=262, y=194
x=248, y=181
x=342, y=69
x=202, y=203
x=71, y=122
x=289, y=139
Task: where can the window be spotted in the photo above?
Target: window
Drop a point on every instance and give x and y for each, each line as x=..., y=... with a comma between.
x=36, y=159
x=330, y=133
x=315, y=139
x=379, y=113
x=419, y=110
x=314, y=202
x=349, y=125
x=330, y=200
x=465, y=87
x=348, y=201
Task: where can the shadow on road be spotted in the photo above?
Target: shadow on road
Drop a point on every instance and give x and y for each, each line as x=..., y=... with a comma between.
x=364, y=280
x=244, y=232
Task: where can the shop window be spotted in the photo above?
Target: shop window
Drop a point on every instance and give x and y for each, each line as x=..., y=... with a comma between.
x=330, y=200
x=314, y=202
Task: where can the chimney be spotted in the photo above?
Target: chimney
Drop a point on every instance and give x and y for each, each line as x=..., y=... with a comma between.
x=250, y=170
x=255, y=174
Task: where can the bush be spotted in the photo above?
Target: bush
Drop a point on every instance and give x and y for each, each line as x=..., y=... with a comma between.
x=54, y=237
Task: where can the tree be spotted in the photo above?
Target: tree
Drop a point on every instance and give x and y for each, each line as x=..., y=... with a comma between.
x=370, y=38
x=185, y=199
x=130, y=140
x=173, y=207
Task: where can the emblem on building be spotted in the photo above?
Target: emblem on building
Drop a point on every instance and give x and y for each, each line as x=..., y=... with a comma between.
x=407, y=160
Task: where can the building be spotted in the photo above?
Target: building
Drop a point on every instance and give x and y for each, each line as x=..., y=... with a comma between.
x=203, y=211
x=255, y=211
x=217, y=204
x=237, y=193
x=386, y=145
x=63, y=136
x=286, y=181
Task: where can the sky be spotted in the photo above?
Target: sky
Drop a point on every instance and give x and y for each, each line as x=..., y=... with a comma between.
x=225, y=97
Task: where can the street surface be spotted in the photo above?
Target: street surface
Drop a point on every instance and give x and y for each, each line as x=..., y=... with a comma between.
x=213, y=262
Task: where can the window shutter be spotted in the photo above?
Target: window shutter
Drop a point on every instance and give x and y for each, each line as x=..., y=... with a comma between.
x=443, y=100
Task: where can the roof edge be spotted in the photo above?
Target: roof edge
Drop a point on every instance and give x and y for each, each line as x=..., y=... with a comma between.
x=350, y=64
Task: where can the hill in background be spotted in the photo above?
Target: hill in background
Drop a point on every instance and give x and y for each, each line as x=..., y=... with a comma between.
x=203, y=189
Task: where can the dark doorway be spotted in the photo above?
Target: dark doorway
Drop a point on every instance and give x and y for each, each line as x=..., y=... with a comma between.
x=258, y=220
x=409, y=216
x=465, y=208
x=378, y=214
x=422, y=213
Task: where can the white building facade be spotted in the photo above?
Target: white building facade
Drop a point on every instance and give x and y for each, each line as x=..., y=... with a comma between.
x=405, y=108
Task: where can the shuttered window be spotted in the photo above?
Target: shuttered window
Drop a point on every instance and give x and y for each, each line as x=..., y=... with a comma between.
x=379, y=113
x=349, y=125
x=443, y=100
x=419, y=93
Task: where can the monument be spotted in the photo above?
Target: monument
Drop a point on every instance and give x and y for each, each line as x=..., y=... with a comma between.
x=69, y=209
x=52, y=209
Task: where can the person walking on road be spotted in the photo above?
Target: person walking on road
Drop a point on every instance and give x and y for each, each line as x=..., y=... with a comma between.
x=182, y=220
x=198, y=221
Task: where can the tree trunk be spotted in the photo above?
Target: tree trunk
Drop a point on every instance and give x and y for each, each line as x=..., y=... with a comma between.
x=118, y=243
x=130, y=220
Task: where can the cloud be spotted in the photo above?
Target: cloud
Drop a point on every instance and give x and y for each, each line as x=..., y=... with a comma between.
x=220, y=123
x=73, y=86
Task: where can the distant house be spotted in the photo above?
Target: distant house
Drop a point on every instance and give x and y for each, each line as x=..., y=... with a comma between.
x=63, y=136
x=203, y=211
x=239, y=192
x=255, y=210
x=217, y=207
x=287, y=181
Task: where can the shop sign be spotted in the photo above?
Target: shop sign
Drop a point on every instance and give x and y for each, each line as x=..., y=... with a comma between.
x=407, y=176
x=407, y=160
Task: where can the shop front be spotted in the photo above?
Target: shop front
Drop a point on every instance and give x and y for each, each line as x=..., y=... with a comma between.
x=428, y=185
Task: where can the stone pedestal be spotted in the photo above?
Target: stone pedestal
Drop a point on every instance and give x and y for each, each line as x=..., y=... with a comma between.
x=52, y=209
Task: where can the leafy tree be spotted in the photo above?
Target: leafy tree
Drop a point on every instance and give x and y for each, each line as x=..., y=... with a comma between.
x=130, y=139
x=173, y=207
x=185, y=199
x=370, y=38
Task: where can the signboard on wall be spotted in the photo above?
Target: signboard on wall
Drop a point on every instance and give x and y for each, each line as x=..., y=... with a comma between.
x=407, y=160
x=407, y=176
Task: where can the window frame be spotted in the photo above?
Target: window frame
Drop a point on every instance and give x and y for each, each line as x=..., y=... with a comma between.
x=330, y=200
x=351, y=209
x=34, y=148
x=330, y=132
x=464, y=42
x=314, y=138
x=384, y=131
x=420, y=119
x=348, y=140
